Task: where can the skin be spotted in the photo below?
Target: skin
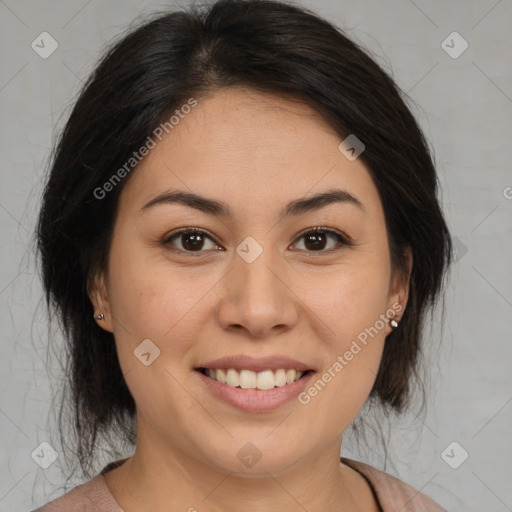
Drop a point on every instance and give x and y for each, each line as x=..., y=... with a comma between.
x=256, y=152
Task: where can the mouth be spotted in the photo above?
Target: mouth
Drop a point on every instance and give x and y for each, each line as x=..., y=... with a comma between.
x=247, y=379
x=255, y=384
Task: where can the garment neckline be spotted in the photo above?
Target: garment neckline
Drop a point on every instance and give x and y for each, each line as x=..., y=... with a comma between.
x=359, y=468
x=353, y=464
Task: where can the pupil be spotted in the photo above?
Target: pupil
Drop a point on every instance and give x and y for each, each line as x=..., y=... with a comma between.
x=315, y=238
x=196, y=241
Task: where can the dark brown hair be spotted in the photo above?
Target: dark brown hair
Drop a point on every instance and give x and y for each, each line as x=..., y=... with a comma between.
x=269, y=46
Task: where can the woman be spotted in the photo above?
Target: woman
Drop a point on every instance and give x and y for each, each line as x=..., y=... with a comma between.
x=241, y=235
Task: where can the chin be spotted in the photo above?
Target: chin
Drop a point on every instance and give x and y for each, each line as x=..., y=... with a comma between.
x=256, y=456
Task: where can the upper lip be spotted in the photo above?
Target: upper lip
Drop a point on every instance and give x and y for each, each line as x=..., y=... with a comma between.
x=256, y=364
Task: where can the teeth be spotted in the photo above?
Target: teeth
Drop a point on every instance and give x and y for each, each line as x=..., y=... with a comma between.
x=265, y=380
x=220, y=375
x=232, y=378
x=280, y=377
x=247, y=379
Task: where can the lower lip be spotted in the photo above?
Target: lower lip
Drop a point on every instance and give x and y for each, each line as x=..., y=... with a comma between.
x=256, y=400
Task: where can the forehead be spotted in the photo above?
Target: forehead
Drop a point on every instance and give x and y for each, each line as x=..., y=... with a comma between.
x=249, y=146
x=245, y=122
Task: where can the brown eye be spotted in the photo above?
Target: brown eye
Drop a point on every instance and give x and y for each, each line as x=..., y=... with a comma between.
x=194, y=240
x=317, y=239
x=190, y=240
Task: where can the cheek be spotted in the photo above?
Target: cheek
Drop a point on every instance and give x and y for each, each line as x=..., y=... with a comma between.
x=162, y=305
x=350, y=302
x=156, y=300
x=353, y=346
x=351, y=298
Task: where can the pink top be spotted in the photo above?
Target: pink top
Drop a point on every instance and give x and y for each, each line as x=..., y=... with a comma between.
x=391, y=494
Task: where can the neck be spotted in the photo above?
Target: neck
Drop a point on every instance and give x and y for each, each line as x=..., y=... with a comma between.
x=158, y=481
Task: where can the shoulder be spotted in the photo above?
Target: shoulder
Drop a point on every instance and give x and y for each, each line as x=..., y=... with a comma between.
x=92, y=496
x=392, y=493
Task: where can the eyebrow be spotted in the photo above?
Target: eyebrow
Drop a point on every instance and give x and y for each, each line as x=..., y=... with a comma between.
x=222, y=209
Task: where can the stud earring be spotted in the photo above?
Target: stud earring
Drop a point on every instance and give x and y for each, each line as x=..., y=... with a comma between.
x=393, y=323
x=99, y=317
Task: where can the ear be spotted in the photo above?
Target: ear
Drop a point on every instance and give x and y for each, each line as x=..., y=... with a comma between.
x=399, y=288
x=98, y=293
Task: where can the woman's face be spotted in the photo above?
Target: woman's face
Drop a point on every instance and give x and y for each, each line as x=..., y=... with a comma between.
x=256, y=291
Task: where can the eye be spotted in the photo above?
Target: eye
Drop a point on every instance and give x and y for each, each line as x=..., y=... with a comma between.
x=316, y=239
x=191, y=240
x=194, y=240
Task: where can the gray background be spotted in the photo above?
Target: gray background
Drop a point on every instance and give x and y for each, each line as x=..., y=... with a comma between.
x=464, y=105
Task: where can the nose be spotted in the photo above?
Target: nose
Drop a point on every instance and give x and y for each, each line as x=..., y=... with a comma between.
x=256, y=298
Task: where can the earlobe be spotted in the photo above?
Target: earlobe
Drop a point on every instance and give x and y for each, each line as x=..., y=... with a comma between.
x=98, y=294
x=399, y=292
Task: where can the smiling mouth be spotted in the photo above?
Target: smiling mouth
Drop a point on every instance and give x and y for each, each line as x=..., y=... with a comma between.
x=247, y=379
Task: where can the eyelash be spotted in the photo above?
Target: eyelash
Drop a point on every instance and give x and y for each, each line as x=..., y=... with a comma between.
x=341, y=239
